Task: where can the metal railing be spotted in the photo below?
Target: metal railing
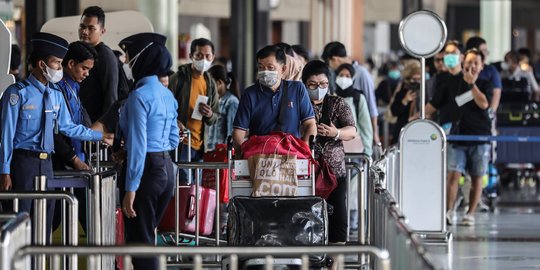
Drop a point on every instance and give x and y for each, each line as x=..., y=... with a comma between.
x=405, y=247
x=14, y=234
x=361, y=168
x=198, y=166
x=100, y=202
x=236, y=254
x=40, y=214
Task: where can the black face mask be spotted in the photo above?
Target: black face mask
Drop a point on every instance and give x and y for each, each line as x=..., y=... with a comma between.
x=414, y=86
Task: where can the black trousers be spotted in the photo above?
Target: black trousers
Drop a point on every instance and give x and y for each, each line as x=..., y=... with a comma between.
x=25, y=166
x=151, y=200
x=337, y=222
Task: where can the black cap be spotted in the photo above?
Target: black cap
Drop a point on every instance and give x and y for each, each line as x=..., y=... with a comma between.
x=49, y=44
x=134, y=44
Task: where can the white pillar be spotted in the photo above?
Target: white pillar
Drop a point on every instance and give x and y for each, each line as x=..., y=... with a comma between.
x=495, y=27
x=382, y=37
x=164, y=18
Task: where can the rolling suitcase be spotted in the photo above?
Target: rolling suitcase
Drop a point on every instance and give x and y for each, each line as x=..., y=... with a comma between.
x=120, y=240
x=187, y=211
x=279, y=221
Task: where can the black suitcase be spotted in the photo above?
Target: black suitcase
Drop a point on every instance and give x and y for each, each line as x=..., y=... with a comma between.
x=278, y=221
x=515, y=91
x=518, y=114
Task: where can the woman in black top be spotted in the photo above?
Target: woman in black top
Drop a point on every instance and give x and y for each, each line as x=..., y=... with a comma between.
x=405, y=103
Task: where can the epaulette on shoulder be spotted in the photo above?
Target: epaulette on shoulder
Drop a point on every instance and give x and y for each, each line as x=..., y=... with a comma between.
x=21, y=84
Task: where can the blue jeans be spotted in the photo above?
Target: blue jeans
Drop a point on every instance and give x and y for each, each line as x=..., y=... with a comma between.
x=473, y=159
x=196, y=156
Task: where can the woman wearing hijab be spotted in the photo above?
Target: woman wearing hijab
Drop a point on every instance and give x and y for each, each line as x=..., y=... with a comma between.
x=149, y=129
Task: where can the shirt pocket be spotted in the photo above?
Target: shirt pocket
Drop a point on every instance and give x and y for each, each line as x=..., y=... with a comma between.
x=29, y=119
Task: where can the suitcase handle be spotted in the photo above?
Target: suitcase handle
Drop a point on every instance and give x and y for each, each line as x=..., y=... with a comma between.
x=191, y=207
x=515, y=117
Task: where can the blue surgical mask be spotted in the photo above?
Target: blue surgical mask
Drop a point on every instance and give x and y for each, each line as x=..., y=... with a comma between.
x=394, y=74
x=451, y=60
x=428, y=76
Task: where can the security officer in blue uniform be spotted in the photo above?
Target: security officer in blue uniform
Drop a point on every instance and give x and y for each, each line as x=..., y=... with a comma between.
x=31, y=111
x=150, y=131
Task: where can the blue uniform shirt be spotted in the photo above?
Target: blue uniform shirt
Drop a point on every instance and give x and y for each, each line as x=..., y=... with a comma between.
x=22, y=111
x=70, y=89
x=148, y=122
x=259, y=109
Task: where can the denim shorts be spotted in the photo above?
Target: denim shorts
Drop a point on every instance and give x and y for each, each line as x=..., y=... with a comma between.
x=473, y=159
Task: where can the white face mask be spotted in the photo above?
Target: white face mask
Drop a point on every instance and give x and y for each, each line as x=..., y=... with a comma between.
x=127, y=71
x=53, y=75
x=267, y=78
x=504, y=66
x=202, y=65
x=129, y=66
x=318, y=93
x=344, y=82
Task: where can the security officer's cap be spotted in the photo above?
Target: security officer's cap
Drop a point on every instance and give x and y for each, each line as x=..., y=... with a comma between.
x=134, y=44
x=49, y=44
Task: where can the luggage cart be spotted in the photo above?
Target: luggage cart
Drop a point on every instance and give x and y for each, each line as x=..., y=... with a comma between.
x=240, y=190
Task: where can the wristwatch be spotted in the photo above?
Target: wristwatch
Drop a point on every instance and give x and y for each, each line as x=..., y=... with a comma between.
x=337, y=135
x=471, y=85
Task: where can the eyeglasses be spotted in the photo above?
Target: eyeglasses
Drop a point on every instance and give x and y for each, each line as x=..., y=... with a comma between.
x=314, y=85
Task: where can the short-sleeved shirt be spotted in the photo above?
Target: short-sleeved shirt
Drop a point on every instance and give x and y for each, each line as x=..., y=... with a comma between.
x=490, y=73
x=472, y=119
x=259, y=109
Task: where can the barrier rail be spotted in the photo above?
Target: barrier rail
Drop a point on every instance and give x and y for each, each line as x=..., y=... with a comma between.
x=100, y=202
x=40, y=216
x=404, y=246
x=14, y=234
x=488, y=138
x=362, y=169
x=200, y=166
x=236, y=253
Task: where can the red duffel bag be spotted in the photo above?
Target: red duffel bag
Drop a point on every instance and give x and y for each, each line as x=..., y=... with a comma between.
x=209, y=176
x=276, y=143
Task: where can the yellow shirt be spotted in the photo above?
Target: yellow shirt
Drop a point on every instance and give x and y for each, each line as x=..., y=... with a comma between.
x=198, y=87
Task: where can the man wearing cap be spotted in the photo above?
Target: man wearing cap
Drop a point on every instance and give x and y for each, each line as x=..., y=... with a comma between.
x=149, y=128
x=32, y=110
x=188, y=84
x=101, y=89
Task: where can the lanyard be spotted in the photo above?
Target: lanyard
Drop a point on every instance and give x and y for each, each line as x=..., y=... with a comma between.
x=74, y=95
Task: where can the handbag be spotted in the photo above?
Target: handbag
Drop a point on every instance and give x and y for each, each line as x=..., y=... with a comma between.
x=325, y=179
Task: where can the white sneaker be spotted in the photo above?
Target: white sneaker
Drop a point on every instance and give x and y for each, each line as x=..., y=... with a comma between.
x=468, y=220
x=450, y=217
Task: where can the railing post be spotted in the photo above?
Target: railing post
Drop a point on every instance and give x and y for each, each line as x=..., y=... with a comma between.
x=40, y=215
x=96, y=217
x=73, y=231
